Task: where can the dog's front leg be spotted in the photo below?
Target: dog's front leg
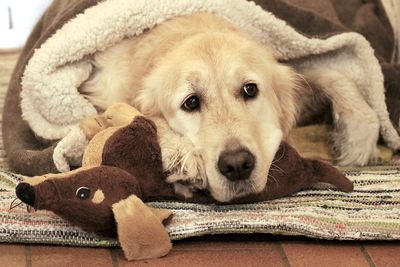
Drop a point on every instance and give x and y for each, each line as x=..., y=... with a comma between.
x=181, y=161
x=356, y=125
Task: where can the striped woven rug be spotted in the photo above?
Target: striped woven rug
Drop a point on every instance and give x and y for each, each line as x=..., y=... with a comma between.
x=371, y=212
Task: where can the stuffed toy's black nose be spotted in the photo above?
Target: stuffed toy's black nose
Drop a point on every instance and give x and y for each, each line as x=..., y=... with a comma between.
x=26, y=193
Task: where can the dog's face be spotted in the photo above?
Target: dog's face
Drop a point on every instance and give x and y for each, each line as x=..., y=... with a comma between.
x=232, y=100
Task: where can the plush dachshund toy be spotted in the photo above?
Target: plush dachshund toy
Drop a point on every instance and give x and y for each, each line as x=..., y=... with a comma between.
x=122, y=167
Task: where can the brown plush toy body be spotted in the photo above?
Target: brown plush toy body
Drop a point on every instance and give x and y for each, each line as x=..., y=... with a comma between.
x=122, y=167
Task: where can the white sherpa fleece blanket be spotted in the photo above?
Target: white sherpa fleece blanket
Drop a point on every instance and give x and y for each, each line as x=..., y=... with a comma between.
x=53, y=106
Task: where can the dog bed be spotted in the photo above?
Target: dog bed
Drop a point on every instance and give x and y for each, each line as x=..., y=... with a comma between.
x=371, y=212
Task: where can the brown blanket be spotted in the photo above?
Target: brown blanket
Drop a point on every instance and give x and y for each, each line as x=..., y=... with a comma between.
x=31, y=154
x=326, y=17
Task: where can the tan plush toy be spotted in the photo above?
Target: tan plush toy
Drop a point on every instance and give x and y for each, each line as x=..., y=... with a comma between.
x=122, y=167
x=105, y=199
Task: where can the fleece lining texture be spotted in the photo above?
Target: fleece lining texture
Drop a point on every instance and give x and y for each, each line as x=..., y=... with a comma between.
x=52, y=105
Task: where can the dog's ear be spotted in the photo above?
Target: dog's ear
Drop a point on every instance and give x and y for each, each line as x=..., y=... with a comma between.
x=141, y=232
x=151, y=97
x=286, y=85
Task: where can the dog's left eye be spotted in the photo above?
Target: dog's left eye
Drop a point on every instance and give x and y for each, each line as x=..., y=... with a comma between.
x=83, y=193
x=250, y=90
x=192, y=103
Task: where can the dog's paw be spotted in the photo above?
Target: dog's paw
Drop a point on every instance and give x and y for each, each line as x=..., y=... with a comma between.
x=186, y=170
x=355, y=139
x=180, y=159
x=184, y=185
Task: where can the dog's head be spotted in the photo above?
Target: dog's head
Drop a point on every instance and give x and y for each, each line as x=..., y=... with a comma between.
x=232, y=99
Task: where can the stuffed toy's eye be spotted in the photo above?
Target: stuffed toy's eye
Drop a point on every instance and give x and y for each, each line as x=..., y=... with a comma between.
x=83, y=192
x=250, y=90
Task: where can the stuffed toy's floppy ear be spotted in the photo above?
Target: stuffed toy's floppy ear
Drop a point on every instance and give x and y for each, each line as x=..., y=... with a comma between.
x=326, y=173
x=141, y=232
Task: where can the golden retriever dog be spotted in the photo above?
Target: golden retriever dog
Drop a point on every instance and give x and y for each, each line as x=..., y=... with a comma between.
x=221, y=102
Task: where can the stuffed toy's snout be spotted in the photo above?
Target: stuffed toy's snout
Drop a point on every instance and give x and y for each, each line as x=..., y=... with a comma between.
x=26, y=193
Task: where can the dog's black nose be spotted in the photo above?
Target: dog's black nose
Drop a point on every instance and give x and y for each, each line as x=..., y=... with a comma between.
x=236, y=165
x=26, y=193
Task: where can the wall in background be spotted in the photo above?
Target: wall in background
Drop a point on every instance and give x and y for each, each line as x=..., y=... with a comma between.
x=17, y=18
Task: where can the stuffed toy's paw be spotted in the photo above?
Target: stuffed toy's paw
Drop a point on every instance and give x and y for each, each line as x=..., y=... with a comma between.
x=120, y=114
x=69, y=151
x=117, y=115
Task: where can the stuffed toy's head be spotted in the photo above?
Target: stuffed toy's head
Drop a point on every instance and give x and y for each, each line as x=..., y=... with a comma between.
x=105, y=200
x=122, y=167
x=84, y=198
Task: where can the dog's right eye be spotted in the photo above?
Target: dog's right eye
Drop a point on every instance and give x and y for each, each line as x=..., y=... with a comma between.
x=192, y=103
x=250, y=90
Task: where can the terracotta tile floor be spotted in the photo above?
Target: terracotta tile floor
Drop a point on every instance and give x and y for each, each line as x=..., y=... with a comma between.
x=228, y=250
